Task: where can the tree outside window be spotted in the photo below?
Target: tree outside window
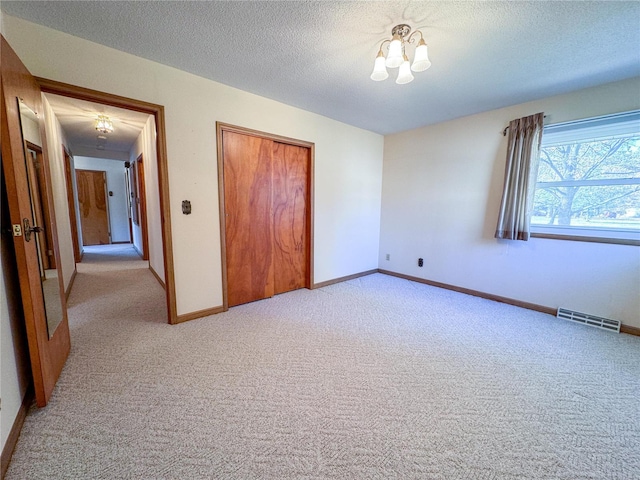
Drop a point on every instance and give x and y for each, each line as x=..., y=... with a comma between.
x=589, y=184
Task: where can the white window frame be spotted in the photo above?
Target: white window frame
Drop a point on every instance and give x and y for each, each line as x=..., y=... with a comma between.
x=608, y=126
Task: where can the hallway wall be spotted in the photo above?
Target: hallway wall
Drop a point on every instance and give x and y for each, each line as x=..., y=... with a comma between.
x=146, y=145
x=55, y=142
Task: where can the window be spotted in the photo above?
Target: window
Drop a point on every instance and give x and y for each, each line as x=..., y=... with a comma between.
x=589, y=179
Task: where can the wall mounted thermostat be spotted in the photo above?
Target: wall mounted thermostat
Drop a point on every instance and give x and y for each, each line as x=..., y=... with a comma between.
x=186, y=207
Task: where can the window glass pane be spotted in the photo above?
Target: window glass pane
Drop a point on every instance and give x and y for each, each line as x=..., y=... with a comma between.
x=608, y=206
x=590, y=184
x=613, y=158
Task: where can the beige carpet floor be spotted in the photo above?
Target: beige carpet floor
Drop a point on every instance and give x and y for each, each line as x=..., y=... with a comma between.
x=374, y=378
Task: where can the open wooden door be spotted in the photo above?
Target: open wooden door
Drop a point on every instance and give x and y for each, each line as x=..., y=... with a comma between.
x=49, y=342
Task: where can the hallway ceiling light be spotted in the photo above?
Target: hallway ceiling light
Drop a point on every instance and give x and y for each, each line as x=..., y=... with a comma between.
x=397, y=57
x=103, y=124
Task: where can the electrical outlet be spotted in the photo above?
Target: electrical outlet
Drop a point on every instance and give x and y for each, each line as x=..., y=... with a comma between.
x=388, y=256
x=420, y=262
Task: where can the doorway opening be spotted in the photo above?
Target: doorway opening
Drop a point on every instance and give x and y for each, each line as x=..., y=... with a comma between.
x=162, y=261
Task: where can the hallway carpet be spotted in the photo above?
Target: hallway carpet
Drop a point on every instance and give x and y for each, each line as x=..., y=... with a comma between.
x=374, y=378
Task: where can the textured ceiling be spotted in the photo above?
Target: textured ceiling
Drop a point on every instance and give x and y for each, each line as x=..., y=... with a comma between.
x=318, y=55
x=78, y=121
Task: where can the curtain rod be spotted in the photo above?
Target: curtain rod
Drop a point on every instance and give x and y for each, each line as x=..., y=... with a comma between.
x=504, y=132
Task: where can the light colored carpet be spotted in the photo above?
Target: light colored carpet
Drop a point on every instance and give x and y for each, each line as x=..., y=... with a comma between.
x=373, y=378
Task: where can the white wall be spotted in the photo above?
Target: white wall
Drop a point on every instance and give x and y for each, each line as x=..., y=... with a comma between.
x=92, y=152
x=441, y=196
x=14, y=357
x=348, y=163
x=118, y=214
x=146, y=145
x=55, y=141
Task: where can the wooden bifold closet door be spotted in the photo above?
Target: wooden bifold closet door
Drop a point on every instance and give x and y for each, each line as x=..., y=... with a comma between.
x=266, y=199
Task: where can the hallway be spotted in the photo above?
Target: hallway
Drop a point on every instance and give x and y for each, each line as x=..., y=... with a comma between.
x=113, y=285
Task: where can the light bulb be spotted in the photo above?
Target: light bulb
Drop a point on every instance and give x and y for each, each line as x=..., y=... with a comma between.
x=421, y=58
x=379, y=68
x=394, y=57
x=404, y=74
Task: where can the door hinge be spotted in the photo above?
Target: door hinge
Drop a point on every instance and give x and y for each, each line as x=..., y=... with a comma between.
x=17, y=230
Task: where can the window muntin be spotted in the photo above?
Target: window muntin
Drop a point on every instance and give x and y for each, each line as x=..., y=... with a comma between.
x=589, y=178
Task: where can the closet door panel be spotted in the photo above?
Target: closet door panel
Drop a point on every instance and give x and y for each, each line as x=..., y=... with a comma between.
x=290, y=209
x=247, y=180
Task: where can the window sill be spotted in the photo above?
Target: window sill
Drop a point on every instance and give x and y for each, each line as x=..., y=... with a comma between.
x=582, y=238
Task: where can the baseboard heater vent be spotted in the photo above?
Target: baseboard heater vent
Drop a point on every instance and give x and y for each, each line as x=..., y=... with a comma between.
x=591, y=320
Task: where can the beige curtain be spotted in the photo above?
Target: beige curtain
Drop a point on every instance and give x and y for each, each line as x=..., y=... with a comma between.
x=525, y=135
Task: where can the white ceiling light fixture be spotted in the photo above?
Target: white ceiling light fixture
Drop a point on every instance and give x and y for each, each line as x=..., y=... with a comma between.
x=103, y=124
x=397, y=57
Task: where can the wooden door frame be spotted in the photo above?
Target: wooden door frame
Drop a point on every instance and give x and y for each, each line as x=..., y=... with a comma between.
x=157, y=111
x=40, y=201
x=73, y=219
x=47, y=208
x=127, y=187
x=226, y=127
x=106, y=198
x=141, y=191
